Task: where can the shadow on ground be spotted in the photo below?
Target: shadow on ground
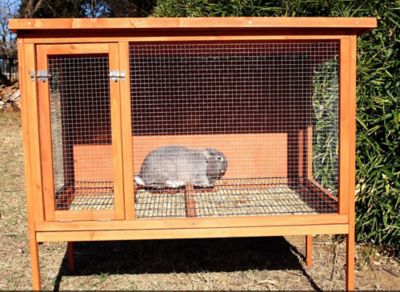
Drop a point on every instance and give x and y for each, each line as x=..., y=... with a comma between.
x=184, y=256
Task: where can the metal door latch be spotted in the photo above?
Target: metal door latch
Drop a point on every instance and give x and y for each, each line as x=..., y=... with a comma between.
x=41, y=75
x=116, y=75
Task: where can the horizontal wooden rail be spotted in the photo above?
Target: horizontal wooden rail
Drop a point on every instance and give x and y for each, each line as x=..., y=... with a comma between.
x=181, y=223
x=190, y=23
x=190, y=233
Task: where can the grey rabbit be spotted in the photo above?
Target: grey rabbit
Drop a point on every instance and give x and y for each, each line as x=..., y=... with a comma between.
x=178, y=166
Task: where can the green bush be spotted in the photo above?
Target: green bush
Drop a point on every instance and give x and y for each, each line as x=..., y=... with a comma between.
x=378, y=137
x=325, y=102
x=378, y=98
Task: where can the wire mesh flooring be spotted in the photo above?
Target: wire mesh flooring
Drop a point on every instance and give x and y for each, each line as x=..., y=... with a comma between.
x=238, y=197
x=86, y=196
x=229, y=197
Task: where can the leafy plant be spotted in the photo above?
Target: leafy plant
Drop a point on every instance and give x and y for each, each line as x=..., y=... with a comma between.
x=325, y=101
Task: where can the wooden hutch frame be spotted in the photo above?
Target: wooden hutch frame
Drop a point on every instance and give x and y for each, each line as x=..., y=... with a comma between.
x=39, y=37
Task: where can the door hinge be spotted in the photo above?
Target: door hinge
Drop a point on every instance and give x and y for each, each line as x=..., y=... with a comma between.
x=41, y=75
x=116, y=75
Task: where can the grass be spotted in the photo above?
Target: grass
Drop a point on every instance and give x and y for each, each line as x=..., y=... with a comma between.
x=325, y=101
x=218, y=264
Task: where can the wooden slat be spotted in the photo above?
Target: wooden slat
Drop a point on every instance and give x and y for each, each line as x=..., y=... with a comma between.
x=301, y=152
x=344, y=126
x=22, y=72
x=308, y=244
x=46, y=153
x=35, y=262
x=190, y=23
x=126, y=37
x=352, y=131
x=115, y=104
x=126, y=129
x=178, y=223
x=309, y=152
x=32, y=194
x=352, y=100
x=33, y=128
x=190, y=233
x=190, y=202
x=84, y=215
x=72, y=49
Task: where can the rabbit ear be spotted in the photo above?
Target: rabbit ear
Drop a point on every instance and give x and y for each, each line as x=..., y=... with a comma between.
x=210, y=152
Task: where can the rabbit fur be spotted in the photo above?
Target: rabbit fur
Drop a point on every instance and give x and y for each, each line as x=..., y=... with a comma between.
x=178, y=166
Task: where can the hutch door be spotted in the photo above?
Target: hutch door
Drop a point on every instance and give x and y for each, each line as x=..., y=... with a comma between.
x=80, y=131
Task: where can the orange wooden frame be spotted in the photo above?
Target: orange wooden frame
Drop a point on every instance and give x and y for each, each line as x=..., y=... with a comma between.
x=43, y=51
x=38, y=38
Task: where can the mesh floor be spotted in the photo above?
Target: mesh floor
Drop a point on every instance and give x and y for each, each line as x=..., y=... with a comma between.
x=239, y=197
x=86, y=196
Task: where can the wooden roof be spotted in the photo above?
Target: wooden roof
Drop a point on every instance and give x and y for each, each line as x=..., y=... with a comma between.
x=356, y=23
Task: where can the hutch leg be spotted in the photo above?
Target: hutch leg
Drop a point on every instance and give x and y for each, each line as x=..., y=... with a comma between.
x=350, y=261
x=71, y=259
x=34, y=253
x=308, y=250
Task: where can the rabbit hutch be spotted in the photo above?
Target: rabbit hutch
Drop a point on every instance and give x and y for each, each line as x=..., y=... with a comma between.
x=276, y=97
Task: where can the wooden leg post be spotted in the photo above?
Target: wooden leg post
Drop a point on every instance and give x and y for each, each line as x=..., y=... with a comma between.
x=350, y=261
x=308, y=243
x=34, y=253
x=351, y=148
x=71, y=259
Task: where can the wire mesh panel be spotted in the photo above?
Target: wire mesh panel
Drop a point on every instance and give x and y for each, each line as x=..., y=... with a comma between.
x=268, y=109
x=81, y=132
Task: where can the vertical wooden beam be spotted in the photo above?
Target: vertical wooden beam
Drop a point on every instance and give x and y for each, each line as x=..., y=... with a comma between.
x=308, y=245
x=309, y=151
x=301, y=152
x=293, y=157
x=71, y=258
x=35, y=263
x=46, y=153
x=115, y=103
x=350, y=275
x=22, y=71
x=344, y=125
x=308, y=164
x=26, y=62
x=126, y=124
x=31, y=125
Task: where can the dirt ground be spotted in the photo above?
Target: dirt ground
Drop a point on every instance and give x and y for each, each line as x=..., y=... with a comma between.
x=274, y=263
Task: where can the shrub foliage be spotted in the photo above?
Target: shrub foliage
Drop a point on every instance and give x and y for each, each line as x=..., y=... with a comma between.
x=378, y=97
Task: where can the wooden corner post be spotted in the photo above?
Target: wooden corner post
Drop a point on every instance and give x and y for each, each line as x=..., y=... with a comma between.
x=26, y=56
x=350, y=279
x=347, y=148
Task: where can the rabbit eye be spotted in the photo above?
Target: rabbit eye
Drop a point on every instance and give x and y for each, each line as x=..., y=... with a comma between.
x=220, y=158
